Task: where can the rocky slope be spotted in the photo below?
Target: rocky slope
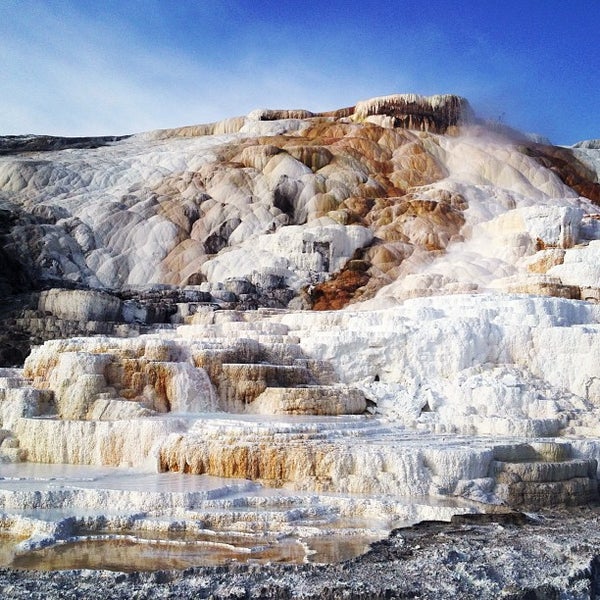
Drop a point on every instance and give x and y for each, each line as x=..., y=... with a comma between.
x=288, y=199
x=397, y=197
x=379, y=314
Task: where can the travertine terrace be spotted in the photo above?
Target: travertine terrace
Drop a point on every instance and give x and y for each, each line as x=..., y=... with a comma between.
x=296, y=326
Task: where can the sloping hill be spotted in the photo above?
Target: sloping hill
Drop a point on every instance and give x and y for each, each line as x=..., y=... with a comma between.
x=331, y=207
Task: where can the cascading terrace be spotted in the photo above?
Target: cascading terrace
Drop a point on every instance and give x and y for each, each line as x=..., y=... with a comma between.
x=193, y=386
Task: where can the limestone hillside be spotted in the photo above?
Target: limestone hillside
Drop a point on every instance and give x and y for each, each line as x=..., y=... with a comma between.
x=396, y=197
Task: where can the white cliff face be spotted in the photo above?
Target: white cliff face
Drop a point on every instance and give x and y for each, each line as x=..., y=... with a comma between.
x=482, y=364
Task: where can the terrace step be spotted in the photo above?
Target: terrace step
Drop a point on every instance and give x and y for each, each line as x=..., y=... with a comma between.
x=543, y=474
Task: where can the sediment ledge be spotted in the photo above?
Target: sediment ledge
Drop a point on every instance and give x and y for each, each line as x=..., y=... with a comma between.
x=511, y=555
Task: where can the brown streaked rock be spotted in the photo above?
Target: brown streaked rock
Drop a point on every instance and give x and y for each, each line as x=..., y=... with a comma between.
x=569, y=169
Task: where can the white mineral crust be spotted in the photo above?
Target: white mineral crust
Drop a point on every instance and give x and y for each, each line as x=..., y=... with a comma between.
x=471, y=357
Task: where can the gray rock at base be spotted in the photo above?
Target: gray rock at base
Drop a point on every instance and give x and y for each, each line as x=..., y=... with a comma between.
x=80, y=305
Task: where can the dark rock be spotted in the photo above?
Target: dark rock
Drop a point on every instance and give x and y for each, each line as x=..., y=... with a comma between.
x=224, y=296
x=409, y=111
x=285, y=194
x=240, y=286
x=268, y=281
x=16, y=144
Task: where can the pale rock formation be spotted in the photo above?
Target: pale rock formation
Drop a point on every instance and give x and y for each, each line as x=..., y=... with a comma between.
x=581, y=266
x=112, y=443
x=465, y=367
x=80, y=305
x=590, y=144
x=151, y=372
x=462, y=388
x=181, y=206
x=295, y=454
x=544, y=474
x=544, y=260
x=296, y=254
x=17, y=400
x=433, y=113
x=77, y=380
x=276, y=115
x=110, y=409
x=309, y=401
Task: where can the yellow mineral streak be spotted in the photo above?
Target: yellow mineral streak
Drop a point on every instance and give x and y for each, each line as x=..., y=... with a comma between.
x=108, y=443
x=269, y=462
x=312, y=400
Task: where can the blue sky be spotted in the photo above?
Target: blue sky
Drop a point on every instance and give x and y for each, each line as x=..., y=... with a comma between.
x=91, y=67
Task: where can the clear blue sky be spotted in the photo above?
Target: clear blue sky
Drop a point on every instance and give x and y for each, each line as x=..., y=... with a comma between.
x=88, y=67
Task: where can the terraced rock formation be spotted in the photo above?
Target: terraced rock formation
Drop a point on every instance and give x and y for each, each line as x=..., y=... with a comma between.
x=387, y=312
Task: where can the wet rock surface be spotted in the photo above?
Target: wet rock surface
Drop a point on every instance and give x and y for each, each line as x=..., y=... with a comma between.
x=513, y=556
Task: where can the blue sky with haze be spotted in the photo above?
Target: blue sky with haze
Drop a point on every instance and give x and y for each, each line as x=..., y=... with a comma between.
x=90, y=67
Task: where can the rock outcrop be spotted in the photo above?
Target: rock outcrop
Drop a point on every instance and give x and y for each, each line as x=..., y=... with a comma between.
x=410, y=111
x=14, y=144
x=542, y=475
